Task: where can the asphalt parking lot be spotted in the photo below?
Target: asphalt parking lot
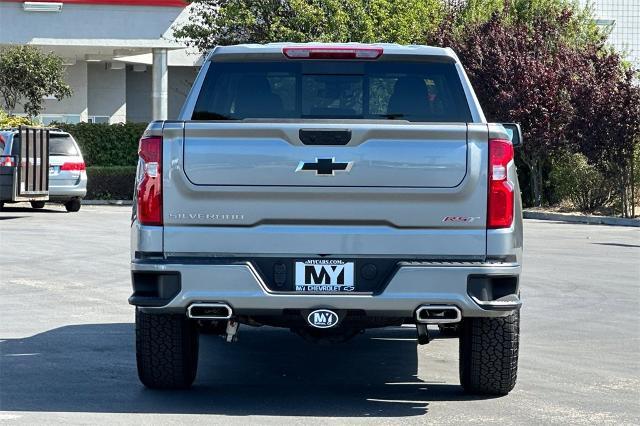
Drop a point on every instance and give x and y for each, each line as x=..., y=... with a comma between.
x=67, y=342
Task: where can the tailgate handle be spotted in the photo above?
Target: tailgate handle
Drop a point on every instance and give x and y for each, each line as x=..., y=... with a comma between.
x=324, y=136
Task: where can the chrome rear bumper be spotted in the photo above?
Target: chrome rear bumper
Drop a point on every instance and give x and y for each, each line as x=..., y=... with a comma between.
x=413, y=285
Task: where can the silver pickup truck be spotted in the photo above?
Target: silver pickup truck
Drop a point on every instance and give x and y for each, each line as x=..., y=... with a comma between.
x=328, y=189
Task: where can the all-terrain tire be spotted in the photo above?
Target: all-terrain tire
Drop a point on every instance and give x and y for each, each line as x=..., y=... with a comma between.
x=73, y=205
x=489, y=354
x=166, y=350
x=37, y=204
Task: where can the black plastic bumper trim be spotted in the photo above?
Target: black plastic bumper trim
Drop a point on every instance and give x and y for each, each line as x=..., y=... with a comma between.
x=495, y=292
x=154, y=289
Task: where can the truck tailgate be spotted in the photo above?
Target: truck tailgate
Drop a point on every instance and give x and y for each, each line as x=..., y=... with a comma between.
x=383, y=155
x=408, y=190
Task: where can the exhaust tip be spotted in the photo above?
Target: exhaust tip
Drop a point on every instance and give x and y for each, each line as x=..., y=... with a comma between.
x=438, y=314
x=213, y=311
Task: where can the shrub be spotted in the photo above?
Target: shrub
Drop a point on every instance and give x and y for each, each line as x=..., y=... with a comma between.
x=107, y=144
x=579, y=182
x=110, y=183
x=9, y=121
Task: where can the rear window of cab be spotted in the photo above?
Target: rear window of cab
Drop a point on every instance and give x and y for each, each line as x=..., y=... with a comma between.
x=59, y=144
x=412, y=91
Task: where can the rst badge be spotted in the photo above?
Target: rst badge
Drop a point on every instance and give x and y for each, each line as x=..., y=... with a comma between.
x=324, y=275
x=459, y=219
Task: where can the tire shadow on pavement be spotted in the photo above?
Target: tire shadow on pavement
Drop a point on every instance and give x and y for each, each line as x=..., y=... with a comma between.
x=29, y=210
x=2, y=217
x=91, y=368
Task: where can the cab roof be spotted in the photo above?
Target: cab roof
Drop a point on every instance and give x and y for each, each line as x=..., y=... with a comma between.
x=274, y=50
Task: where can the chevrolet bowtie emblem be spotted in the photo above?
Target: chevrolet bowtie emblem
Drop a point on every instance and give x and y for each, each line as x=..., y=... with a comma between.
x=324, y=166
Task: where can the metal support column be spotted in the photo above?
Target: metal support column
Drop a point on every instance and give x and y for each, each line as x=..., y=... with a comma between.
x=160, y=85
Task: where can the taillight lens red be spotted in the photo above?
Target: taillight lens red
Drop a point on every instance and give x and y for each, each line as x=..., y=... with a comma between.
x=337, y=52
x=73, y=166
x=149, y=191
x=7, y=161
x=500, y=200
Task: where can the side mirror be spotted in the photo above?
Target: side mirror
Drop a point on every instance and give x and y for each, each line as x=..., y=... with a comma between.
x=514, y=132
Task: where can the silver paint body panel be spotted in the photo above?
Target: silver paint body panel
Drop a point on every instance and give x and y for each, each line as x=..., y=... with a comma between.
x=382, y=155
x=241, y=287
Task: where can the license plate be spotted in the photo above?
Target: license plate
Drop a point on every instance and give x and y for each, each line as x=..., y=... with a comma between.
x=320, y=275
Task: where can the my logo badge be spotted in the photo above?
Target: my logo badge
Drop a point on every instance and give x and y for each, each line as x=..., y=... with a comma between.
x=322, y=318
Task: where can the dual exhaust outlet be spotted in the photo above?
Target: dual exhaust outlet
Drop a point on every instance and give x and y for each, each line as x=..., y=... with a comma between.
x=209, y=311
x=438, y=314
x=425, y=314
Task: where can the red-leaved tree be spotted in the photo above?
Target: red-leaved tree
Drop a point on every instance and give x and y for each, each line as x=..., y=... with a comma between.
x=606, y=123
x=523, y=72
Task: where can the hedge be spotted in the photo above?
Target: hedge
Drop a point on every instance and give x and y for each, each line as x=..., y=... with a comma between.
x=110, y=183
x=107, y=144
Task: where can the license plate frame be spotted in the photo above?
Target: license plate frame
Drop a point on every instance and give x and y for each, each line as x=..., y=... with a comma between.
x=324, y=276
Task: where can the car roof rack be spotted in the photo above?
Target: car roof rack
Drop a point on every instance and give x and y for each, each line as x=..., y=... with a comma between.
x=15, y=129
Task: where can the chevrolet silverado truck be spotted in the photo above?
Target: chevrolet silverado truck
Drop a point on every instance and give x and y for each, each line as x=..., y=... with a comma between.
x=328, y=189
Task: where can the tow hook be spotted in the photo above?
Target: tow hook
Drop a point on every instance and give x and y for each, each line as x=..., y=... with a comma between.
x=232, y=331
x=423, y=334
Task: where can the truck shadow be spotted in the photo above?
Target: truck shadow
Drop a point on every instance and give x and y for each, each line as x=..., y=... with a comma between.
x=8, y=208
x=11, y=217
x=91, y=368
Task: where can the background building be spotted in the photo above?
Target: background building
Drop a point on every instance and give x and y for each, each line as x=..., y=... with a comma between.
x=122, y=61
x=623, y=18
x=124, y=64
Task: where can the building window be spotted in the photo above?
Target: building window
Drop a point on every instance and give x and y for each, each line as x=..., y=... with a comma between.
x=97, y=119
x=47, y=119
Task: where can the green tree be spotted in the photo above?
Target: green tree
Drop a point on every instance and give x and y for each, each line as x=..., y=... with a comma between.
x=223, y=22
x=27, y=75
x=579, y=29
x=7, y=120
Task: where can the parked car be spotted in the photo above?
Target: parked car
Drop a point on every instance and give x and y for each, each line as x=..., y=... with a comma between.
x=67, y=172
x=328, y=189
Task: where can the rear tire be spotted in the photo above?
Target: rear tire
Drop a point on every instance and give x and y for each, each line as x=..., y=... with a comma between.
x=37, y=204
x=489, y=354
x=73, y=206
x=166, y=350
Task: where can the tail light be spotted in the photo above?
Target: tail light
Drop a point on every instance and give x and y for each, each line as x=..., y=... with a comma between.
x=500, y=199
x=339, y=52
x=73, y=166
x=149, y=189
x=7, y=161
